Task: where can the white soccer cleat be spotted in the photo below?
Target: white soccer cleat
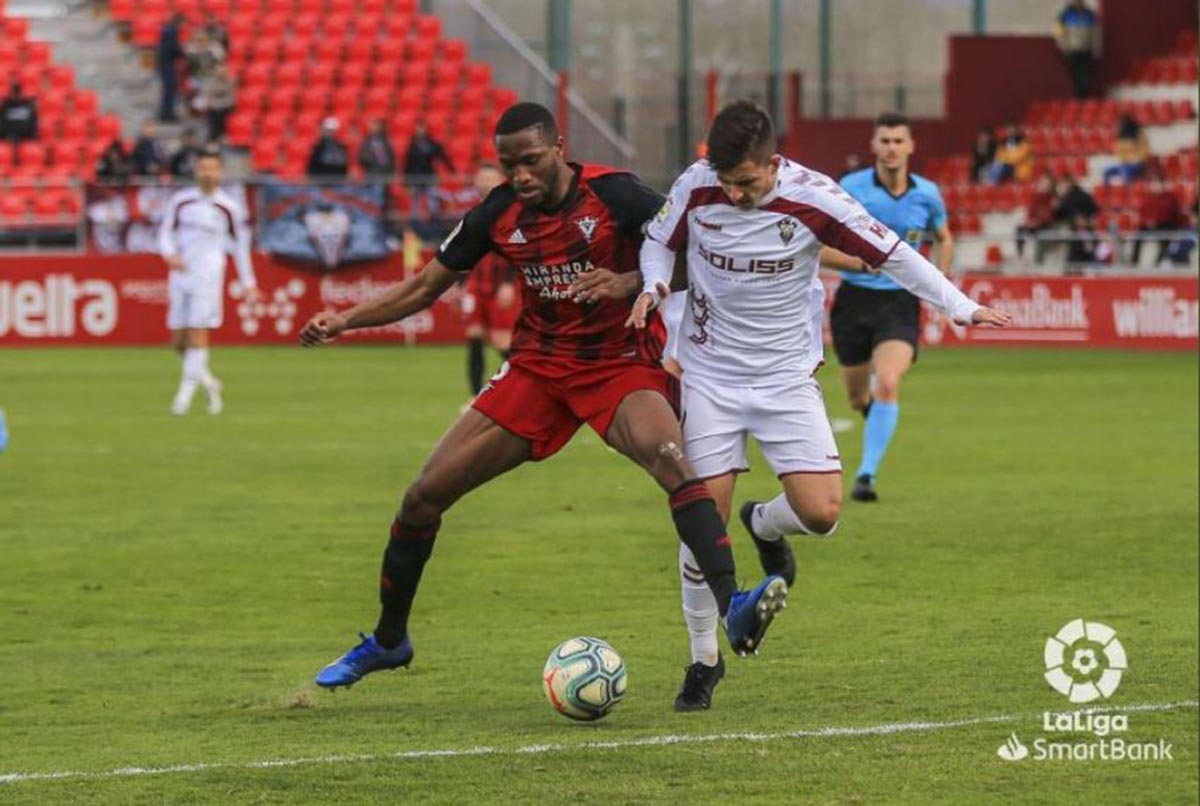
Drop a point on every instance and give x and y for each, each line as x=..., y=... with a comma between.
x=215, y=403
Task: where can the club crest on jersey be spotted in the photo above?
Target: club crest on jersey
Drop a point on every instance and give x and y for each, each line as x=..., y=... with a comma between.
x=587, y=225
x=328, y=230
x=787, y=229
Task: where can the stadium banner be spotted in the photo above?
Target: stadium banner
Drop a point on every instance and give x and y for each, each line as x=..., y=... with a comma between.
x=122, y=300
x=126, y=218
x=1152, y=313
x=324, y=225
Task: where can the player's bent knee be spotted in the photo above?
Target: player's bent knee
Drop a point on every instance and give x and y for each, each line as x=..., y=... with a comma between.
x=421, y=503
x=887, y=388
x=819, y=527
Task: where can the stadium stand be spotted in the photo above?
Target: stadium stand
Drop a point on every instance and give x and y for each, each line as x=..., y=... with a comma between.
x=72, y=132
x=297, y=62
x=1076, y=138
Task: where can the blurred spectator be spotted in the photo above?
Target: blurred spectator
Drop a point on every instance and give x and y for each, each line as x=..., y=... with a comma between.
x=183, y=161
x=1078, y=210
x=852, y=163
x=376, y=155
x=329, y=156
x=113, y=164
x=217, y=32
x=148, y=157
x=18, y=116
x=1078, y=35
x=1039, y=215
x=203, y=56
x=170, y=51
x=1161, y=211
x=419, y=170
x=983, y=154
x=1014, y=157
x=220, y=96
x=1131, y=152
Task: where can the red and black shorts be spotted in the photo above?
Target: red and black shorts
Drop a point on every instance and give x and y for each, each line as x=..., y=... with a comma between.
x=545, y=400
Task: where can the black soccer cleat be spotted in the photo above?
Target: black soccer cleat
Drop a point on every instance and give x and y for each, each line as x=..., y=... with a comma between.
x=864, y=489
x=775, y=555
x=698, y=683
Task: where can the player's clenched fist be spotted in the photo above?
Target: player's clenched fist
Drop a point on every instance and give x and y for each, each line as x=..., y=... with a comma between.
x=322, y=328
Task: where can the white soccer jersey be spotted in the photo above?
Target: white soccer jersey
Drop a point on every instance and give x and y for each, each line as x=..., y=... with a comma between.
x=756, y=300
x=202, y=229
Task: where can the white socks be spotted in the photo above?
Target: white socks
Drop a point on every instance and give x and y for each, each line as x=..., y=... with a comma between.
x=195, y=372
x=699, y=609
x=776, y=518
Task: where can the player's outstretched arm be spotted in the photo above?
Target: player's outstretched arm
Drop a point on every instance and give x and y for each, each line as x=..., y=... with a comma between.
x=906, y=266
x=398, y=302
x=834, y=259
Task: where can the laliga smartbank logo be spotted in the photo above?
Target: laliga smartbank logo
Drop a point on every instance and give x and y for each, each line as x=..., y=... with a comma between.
x=1084, y=662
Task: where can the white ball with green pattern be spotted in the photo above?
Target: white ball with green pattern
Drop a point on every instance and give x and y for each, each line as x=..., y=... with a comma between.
x=584, y=678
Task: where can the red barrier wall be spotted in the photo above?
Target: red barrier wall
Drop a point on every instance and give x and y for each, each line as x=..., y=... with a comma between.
x=1134, y=29
x=123, y=300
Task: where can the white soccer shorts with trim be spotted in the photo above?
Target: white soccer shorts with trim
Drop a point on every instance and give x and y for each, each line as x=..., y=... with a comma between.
x=788, y=421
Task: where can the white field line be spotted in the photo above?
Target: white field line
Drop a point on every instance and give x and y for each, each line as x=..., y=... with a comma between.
x=566, y=747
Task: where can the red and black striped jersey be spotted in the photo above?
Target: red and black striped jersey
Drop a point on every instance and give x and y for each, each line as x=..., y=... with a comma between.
x=598, y=224
x=489, y=274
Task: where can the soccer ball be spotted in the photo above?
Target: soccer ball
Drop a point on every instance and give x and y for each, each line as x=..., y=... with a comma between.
x=584, y=678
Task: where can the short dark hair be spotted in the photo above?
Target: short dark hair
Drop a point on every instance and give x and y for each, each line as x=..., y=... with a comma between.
x=210, y=150
x=741, y=130
x=889, y=120
x=527, y=115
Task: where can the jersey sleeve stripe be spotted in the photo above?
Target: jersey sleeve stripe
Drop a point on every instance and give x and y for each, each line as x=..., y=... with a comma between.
x=699, y=197
x=831, y=232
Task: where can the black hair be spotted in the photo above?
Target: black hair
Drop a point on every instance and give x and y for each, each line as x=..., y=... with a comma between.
x=741, y=130
x=527, y=115
x=889, y=120
x=209, y=150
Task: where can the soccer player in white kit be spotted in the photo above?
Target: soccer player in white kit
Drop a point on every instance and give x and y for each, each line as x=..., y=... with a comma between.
x=752, y=225
x=202, y=225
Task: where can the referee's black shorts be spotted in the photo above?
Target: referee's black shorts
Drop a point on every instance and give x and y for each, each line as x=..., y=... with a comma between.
x=863, y=317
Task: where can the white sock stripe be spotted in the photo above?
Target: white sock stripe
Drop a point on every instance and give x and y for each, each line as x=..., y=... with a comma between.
x=886, y=729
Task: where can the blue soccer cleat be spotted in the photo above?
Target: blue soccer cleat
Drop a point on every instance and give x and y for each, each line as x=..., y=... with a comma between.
x=751, y=613
x=363, y=659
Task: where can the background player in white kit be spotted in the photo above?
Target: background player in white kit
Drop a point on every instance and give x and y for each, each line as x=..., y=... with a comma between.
x=202, y=225
x=753, y=225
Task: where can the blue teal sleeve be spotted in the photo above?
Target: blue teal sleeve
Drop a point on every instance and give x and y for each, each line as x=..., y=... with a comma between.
x=939, y=208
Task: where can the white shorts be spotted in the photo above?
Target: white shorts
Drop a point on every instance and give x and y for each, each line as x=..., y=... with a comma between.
x=788, y=422
x=187, y=308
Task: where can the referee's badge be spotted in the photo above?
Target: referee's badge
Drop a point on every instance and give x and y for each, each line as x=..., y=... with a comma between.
x=787, y=229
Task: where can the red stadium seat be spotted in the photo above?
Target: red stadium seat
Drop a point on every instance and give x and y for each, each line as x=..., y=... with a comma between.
x=295, y=51
x=397, y=26
x=121, y=10
x=106, y=128
x=421, y=50
x=273, y=125
x=31, y=153
x=289, y=74
x=37, y=53
x=454, y=50
x=239, y=127
x=16, y=28
x=12, y=207
x=428, y=27
x=272, y=26
x=446, y=74
x=353, y=74
x=306, y=25
x=61, y=77
x=328, y=50
x=478, y=74
x=415, y=74
x=408, y=7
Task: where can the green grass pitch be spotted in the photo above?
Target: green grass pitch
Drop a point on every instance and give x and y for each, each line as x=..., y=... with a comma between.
x=169, y=587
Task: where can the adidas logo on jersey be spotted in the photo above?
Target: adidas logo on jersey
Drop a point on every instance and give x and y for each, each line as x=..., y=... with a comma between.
x=517, y=237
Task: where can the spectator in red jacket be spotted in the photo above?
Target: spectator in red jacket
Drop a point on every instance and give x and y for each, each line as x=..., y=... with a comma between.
x=1161, y=211
x=1039, y=215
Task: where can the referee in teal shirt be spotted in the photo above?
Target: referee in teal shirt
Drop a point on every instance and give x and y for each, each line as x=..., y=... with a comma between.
x=875, y=322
